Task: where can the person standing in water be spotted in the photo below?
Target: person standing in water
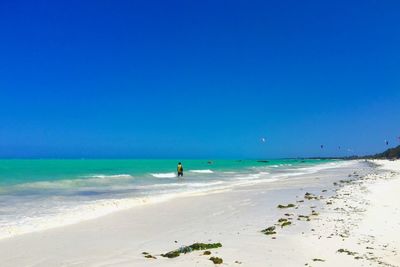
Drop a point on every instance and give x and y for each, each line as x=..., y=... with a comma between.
x=180, y=169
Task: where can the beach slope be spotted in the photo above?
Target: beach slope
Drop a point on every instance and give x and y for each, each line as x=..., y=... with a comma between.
x=345, y=216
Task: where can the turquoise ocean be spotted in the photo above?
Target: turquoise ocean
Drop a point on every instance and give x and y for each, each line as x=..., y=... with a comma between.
x=41, y=194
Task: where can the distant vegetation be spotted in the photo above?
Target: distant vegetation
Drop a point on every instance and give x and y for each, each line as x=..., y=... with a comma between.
x=391, y=153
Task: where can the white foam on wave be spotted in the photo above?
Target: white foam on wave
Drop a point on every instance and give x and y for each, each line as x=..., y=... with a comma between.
x=201, y=171
x=313, y=169
x=179, y=185
x=70, y=183
x=164, y=175
x=117, y=176
x=248, y=177
x=73, y=215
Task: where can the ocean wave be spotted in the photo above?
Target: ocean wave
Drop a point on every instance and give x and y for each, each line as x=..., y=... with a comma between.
x=248, y=177
x=164, y=175
x=201, y=171
x=117, y=176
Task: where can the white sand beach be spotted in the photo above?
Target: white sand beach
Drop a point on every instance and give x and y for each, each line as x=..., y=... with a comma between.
x=351, y=218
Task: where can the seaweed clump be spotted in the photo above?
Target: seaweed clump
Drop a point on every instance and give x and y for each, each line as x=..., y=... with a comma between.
x=348, y=252
x=269, y=230
x=310, y=196
x=280, y=206
x=216, y=260
x=303, y=218
x=148, y=256
x=346, y=181
x=286, y=224
x=172, y=254
x=314, y=213
x=193, y=247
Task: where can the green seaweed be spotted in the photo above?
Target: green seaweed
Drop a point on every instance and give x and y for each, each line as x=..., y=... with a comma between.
x=280, y=206
x=346, y=181
x=204, y=246
x=150, y=257
x=286, y=224
x=314, y=213
x=187, y=249
x=216, y=260
x=305, y=217
x=310, y=196
x=269, y=231
x=348, y=252
x=171, y=254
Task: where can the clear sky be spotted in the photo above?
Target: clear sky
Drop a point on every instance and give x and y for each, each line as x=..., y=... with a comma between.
x=198, y=79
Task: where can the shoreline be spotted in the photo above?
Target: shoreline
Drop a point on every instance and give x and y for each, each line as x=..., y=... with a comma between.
x=102, y=207
x=235, y=218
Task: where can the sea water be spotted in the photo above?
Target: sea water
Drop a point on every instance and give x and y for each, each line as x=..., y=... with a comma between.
x=41, y=194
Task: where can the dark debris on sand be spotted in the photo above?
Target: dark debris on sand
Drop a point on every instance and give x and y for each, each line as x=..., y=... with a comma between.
x=193, y=247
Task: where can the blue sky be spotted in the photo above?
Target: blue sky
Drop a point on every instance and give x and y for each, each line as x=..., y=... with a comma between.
x=198, y=79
